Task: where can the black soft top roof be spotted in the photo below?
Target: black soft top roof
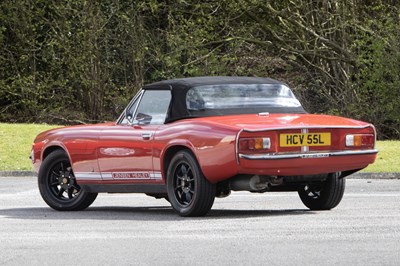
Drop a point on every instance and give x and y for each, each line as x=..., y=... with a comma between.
x=187, y=83
x=179, y=88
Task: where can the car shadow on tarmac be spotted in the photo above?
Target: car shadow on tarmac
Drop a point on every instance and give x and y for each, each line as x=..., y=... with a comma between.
x=149, y=213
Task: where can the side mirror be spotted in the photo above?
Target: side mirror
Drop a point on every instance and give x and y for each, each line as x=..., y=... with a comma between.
x=143, y=119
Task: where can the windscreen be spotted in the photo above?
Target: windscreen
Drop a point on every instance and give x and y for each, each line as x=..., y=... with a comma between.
x=241, y=99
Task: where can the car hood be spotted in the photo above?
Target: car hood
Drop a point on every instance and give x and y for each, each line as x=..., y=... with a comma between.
x=268, y=121
x=72, y=130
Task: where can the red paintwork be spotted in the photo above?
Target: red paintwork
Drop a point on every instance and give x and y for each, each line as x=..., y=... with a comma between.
x=120, y=148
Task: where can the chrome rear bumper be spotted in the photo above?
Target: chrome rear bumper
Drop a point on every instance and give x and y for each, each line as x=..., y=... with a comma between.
x=305, y=155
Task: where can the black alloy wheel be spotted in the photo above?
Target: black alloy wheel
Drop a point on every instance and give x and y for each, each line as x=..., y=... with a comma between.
x=324, y=195
x=189, y=191
x=58, y=186
x=184, y=184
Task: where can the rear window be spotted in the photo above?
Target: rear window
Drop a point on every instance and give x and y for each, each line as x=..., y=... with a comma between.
x=241, y=98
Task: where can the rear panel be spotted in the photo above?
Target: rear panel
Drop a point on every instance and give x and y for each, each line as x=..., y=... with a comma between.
x=312, y=150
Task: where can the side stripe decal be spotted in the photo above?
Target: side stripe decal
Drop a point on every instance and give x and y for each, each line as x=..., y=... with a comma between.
x=118, y=176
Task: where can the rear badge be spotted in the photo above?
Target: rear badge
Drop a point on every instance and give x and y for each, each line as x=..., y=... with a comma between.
x=315, y=155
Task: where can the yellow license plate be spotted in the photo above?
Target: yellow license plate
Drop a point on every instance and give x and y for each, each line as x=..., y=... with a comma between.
x=307, y=139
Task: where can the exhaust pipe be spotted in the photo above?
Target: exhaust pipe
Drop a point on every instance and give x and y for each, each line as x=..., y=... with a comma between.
x=254, y=183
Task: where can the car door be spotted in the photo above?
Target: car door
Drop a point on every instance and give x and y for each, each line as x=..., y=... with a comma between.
x=125, y=151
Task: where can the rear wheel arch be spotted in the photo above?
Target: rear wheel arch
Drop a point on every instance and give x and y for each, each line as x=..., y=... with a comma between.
x=170, y=153
x=165, y=162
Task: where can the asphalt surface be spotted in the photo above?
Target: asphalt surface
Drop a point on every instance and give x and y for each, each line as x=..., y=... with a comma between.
x=243, y=229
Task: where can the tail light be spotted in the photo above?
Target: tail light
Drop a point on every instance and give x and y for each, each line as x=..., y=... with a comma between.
x=254, y=144
x=360, y=140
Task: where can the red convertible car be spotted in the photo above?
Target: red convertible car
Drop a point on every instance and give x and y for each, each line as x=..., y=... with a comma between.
x=193, y=139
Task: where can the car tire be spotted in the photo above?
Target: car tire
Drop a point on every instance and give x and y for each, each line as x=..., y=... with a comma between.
x=325, y=195
x=58, y=186
x=189, y=192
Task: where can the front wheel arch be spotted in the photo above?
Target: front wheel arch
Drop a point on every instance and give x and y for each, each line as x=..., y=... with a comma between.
x=48, y=150
x=58, y=186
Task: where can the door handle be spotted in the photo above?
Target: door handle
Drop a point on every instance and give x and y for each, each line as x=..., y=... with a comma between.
x=147, y=135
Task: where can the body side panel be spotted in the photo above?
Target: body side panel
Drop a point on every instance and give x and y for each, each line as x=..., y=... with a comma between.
x=212, y=144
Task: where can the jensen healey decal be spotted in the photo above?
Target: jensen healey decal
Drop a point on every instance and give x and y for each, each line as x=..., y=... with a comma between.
x=134, y=175
x=131, y=175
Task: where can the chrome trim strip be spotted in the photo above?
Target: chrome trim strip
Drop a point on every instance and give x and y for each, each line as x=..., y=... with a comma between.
x=375, y=135
x=237, y=146
x=304, y=155
x=109, y=175
x=88, y=175
x=306, y=127
x=157, y=175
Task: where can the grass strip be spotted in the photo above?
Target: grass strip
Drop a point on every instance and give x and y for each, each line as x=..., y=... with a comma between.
x=16, y=144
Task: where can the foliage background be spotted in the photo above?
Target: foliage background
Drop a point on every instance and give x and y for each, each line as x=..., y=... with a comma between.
x=77, y=61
